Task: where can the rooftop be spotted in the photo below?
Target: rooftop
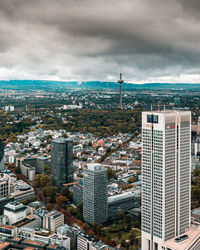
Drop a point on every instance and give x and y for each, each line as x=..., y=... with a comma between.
x=125, y=195
x=96, y=167
x=15, y=206
x=193, y=235
x=166, y=111
x=61, y=140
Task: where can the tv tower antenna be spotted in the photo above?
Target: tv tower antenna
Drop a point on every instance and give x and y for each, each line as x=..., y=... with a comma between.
x=120, y=97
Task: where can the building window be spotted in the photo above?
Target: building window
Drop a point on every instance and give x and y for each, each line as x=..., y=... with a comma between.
x=152, y=118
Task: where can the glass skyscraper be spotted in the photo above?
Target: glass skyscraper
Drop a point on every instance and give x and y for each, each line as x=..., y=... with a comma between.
x=61, y=162
x=95, y=201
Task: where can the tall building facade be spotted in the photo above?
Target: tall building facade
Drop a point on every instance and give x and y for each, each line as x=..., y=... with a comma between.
x=95, y=201
x=2, y=166
x=61, y=162
x=166, y=176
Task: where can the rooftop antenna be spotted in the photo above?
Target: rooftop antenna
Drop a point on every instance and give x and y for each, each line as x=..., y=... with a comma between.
x=120, y=97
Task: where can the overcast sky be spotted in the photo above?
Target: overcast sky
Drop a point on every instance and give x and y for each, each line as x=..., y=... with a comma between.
x=148, y=40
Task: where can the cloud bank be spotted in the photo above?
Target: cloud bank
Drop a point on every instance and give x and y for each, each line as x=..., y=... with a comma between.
x=149, y=41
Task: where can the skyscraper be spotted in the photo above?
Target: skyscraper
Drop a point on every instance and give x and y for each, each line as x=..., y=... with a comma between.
x=166, y=176
x=61, y=162
x=2, y=166
x=95, y=204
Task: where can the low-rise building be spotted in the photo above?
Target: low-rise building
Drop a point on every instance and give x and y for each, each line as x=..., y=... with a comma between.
x=124, y=201
x=84, y=242
x=8, y=231
x=53, y=220
x=15, y=212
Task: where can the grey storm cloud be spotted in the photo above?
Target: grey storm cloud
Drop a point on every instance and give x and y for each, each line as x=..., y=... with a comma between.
x=149, y=41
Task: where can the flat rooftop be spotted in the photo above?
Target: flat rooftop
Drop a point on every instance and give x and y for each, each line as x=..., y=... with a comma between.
x=167, y=111
x=96, y=167
x=193, y=235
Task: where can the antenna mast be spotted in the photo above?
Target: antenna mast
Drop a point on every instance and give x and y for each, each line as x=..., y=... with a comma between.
x=120, y=97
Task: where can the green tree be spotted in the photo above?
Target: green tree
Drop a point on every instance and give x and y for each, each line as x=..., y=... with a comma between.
x=131, y=179
x=37, y=180
x=97, y=228
x=61, y=200
x=110, y=173
x=67, y=193
x=44, y=180
x=50, y=192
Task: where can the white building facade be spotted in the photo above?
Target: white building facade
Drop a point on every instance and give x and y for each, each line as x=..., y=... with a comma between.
x=15, y=212
x=166, y=176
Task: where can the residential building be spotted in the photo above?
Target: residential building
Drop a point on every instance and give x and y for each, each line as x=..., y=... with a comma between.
x=166, y=176
x=95, y=202
x=61, y=162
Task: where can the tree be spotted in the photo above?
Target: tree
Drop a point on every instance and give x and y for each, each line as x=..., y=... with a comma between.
x=50, y=192
x=47, y=170
x=132, y=235
x=97, y=228
x=80, y=208
x=61, y=200
x=37, y=180
x=110, y=173
x=67, y=193
x=44, y=180
x=131, y=179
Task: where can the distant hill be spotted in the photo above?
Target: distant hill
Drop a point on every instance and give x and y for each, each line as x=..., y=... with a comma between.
x=53, y=85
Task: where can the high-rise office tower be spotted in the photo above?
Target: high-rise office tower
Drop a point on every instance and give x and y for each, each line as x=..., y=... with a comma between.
x=2, y=166
x=95, y=201
x=61, y=162
x=166, y=138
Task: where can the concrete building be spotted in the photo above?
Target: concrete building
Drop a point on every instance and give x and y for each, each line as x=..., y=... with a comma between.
x=72, y=232
x=38, y=163
x=166, y=176
x=53, y=220
x=8, y=231
x=125, y=202
x=3, y=202
x=17, y=243
x=22, y=192
x=84, y=242
x=4, y=187
x=15, y=212
x=28, y=171
x=95, y=202
x=61, y=162
x=60, y=240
